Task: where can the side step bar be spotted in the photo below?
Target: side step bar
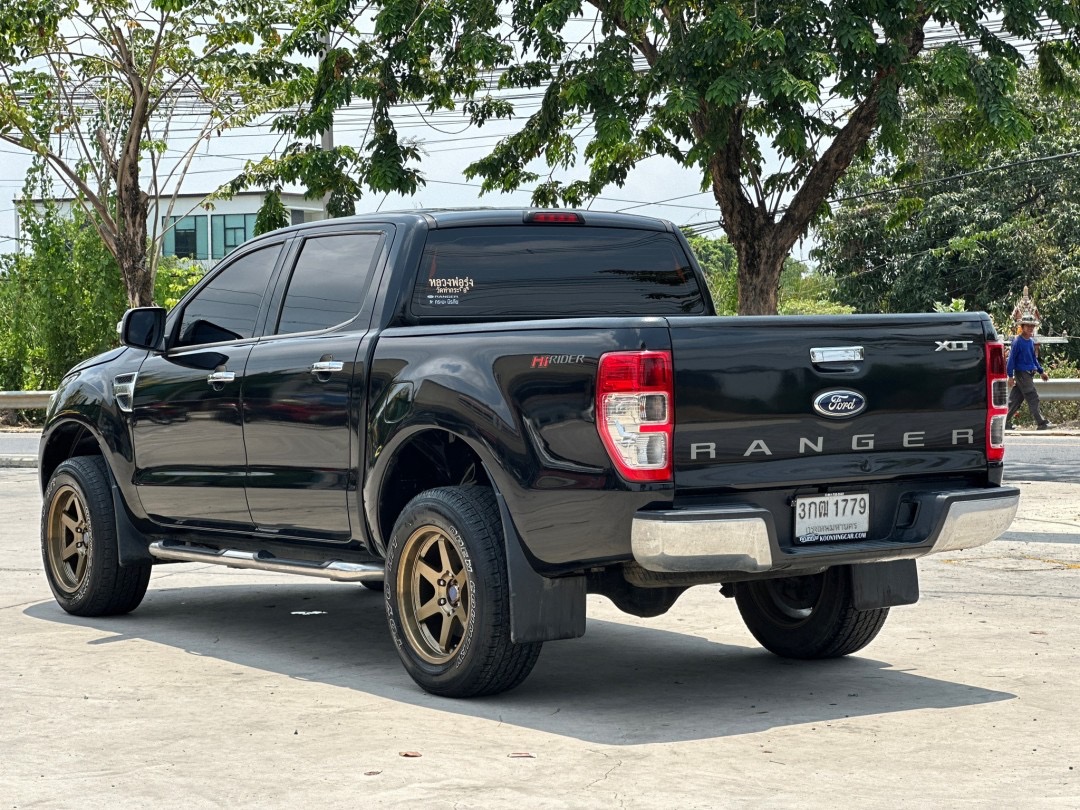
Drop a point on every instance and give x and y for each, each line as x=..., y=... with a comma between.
x=263, y=561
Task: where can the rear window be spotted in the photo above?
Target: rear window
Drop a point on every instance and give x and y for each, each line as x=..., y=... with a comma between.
x=534, y=271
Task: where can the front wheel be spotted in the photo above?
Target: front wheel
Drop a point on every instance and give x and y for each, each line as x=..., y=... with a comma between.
x=78, y=543
x=447, y=595
x=808, y=617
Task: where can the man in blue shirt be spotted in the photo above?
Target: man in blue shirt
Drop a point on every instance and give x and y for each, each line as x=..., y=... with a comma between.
x=1022, y=367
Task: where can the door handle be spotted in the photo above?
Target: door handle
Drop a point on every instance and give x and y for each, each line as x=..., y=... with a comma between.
x=326, y=366
x=838, y=359
x=221, y=377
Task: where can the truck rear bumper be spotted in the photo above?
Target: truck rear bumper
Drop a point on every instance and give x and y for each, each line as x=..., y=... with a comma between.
x=744, y=539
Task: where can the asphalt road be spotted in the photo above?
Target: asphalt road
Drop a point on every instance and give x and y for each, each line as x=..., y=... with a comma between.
x=1034, y=457
x=245, y=689
x=21, y=443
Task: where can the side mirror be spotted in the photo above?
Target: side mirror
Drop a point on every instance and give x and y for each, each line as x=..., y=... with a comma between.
x=143, y=328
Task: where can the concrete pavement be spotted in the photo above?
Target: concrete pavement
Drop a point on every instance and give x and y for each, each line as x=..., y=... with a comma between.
x=231, y=688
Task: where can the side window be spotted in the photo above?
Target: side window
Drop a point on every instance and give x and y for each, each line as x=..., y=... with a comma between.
x=227, y=307
x=184, y=237
x=328, y=285
x=229, y=231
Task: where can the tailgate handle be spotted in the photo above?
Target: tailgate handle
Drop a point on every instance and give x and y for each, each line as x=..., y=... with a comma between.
x=837, y=358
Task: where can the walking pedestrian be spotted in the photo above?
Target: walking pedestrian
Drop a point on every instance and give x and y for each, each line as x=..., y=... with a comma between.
x=1022, y=367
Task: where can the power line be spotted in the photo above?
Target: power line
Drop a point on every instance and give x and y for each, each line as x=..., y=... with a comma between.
x=710, y=227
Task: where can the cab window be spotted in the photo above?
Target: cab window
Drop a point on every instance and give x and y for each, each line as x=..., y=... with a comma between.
x=327, y=287
x=227, y=308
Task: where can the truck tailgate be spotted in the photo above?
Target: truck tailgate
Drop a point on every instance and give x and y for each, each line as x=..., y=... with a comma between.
x=785, y=402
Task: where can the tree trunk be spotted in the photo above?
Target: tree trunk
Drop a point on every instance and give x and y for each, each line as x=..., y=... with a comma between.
x=761, y=241
x=758, y=241
x=760, y=265
x=131, y=211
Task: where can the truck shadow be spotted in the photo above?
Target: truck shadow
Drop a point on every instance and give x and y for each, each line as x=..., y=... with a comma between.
x=618, y=685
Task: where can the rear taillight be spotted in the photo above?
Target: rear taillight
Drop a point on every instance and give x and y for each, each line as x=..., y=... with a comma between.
x=634, y=413
x=997, y=401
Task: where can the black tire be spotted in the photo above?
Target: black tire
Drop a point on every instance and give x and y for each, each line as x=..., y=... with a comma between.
x=447, y=595
x=374, y=584
x=78, y=543
x=808, y=617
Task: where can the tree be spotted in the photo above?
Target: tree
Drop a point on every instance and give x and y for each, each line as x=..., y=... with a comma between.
x=770, y=100
x=964, y=219
x=60, y=297
x=803, y=291
x=721, y=266
x=94, y=87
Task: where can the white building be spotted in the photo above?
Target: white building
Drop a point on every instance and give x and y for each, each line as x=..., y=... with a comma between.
x=209, y=232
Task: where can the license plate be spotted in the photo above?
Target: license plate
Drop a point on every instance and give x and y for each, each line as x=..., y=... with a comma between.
x=832, y=518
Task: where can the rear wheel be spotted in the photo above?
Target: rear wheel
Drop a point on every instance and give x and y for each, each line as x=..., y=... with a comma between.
x=808, y=617
x=78, y=543
x=447, y=595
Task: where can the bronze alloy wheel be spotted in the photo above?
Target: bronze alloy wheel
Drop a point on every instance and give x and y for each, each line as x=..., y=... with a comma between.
x=433, y=594
x=79, y=547
x=447, y=595
x=68, y=538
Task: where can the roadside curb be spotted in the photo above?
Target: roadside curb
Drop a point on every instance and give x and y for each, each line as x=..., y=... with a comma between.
x=18, y=461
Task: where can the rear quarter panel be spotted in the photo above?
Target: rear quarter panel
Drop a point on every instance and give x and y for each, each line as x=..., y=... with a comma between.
x=523, y=396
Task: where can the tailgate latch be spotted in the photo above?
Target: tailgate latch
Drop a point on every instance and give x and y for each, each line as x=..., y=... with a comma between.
x=836, y=354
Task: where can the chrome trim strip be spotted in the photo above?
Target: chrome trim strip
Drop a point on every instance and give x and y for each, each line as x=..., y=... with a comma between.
x=335, y=570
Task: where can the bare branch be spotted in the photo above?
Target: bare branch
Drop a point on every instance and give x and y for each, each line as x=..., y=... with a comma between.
x=73, y=112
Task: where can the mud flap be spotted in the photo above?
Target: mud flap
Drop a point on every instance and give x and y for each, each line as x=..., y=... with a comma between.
x=541, y=608
x=884, y=584
x=131, y=544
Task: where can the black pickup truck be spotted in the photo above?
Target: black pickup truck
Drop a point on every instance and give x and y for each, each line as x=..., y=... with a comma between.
x=488, y=414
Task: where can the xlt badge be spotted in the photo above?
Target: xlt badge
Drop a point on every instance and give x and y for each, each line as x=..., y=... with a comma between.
x=952, y=345
x=839, y=403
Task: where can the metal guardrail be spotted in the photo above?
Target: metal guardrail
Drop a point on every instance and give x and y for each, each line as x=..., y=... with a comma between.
x=19, y=400
x=1058, y=389
x=1051, y=391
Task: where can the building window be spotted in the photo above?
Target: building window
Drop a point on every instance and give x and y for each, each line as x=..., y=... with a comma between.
x=229, y=231
x=185, y=237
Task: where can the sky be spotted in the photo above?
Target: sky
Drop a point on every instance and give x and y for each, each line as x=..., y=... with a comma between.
x=657, y=187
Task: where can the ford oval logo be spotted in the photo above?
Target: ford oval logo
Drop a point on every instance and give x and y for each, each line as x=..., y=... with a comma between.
x=839, y=404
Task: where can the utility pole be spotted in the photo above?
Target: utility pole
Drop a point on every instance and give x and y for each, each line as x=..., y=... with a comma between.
x=327, y=143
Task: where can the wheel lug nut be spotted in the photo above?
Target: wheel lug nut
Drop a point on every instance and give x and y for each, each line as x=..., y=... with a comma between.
x=442, y=602
x=442, y=583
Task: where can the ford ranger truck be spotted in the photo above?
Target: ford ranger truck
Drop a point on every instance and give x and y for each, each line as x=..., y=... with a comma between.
x=488, y=414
